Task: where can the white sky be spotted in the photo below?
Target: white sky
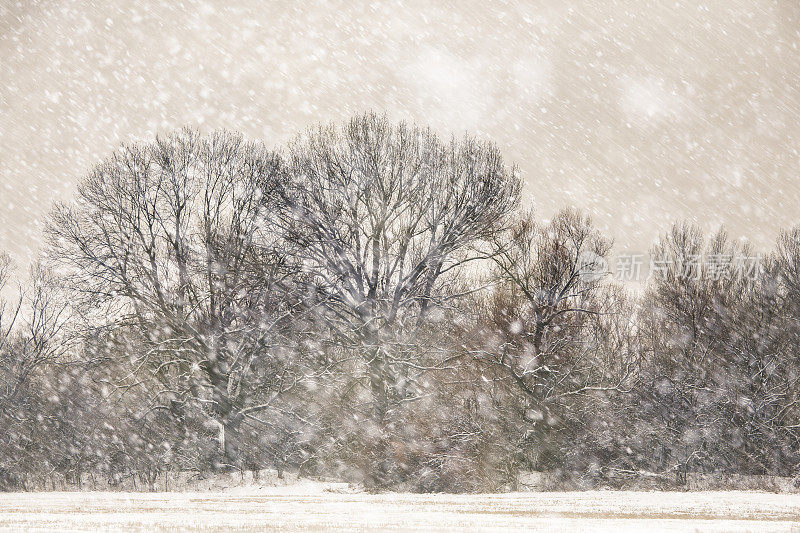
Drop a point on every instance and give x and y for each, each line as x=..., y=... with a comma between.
x=642, y=111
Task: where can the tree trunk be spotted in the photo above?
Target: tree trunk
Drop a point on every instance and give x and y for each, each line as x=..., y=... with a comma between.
x=378, y=386
x=229, y=442
x=384, y=467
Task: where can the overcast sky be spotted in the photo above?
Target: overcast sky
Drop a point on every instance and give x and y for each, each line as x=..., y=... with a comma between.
x=641, y=112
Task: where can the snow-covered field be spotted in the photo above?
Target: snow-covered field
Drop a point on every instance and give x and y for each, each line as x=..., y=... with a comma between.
x=317, y=506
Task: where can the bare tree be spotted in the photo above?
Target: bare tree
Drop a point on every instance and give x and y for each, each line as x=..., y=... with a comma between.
x=384, y=214
x=9, y=313
x=549, y=295
x=31, y=334
x=787, y=266
x=33, y=337
x=773, y=316
x=553, y=334
x=706, y=343
x=175, y=240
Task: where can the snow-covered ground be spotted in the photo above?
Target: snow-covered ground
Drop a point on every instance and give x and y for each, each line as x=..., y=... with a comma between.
x=323, y=506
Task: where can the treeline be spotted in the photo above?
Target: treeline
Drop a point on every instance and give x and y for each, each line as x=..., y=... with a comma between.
x=373, y=303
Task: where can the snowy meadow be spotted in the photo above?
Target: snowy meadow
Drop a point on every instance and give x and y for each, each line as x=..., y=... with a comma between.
x=320, y=507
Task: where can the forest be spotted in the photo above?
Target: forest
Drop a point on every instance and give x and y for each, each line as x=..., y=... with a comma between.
x=379, y=304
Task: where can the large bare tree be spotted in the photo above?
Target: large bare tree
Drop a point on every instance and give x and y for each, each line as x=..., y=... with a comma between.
x=386, y=214
x=174, y=239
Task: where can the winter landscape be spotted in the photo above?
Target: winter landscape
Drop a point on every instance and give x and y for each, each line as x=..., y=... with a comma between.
x=400, y=265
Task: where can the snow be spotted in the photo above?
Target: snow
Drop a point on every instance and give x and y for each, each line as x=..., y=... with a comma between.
x=596, y=101
x=639, y=117
x=316, y=506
